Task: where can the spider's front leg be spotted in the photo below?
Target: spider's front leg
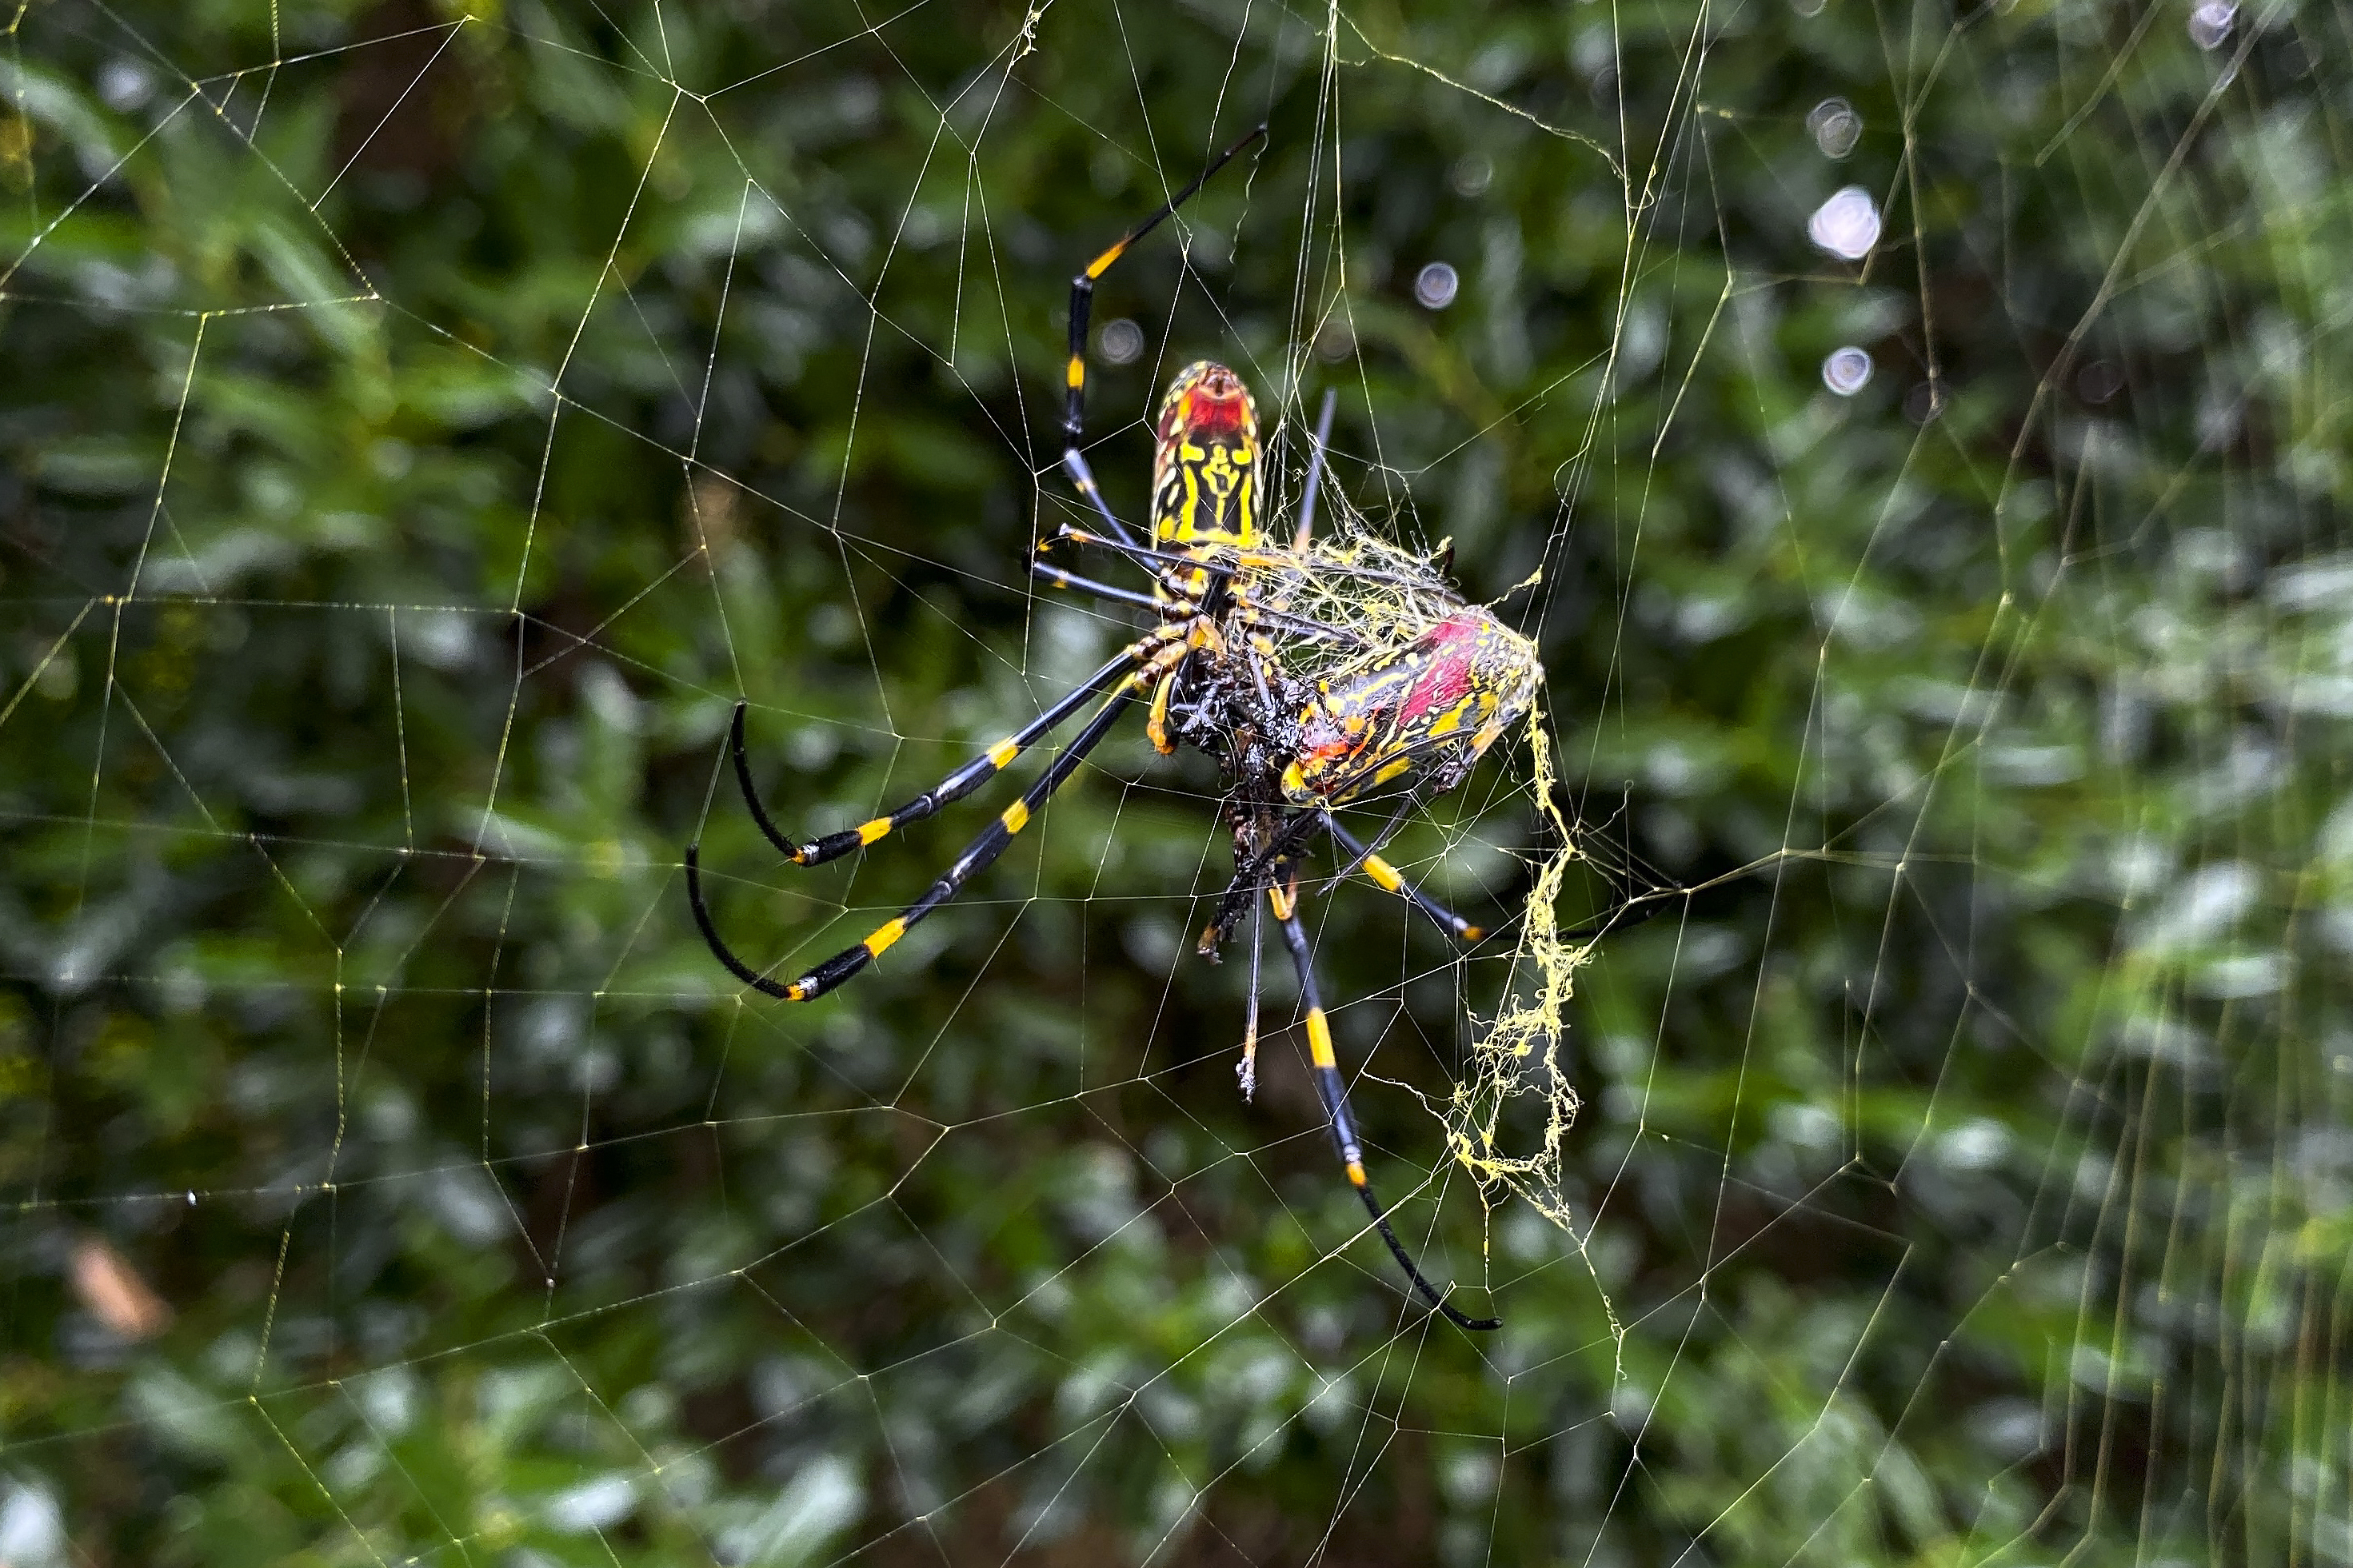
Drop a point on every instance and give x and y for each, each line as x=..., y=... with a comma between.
x=1082, y=299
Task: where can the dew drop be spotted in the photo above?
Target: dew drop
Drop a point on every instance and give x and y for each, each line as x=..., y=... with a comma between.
x=1847, y=371
x=1847, y=225
x=1122, y=342
x=1836, y=126
x=1435, y=286
x=2209, y=24
x=124, y=85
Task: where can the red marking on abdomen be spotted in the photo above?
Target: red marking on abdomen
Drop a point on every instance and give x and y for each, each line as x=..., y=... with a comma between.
x=1447, y=645
x=1201, y=413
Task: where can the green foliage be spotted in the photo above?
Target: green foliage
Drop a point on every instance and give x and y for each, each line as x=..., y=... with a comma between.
x=420, y=424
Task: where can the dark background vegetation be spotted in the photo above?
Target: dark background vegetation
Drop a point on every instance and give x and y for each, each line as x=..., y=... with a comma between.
x=417, y=428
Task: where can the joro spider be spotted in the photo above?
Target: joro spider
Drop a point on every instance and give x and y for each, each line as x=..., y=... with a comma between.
x=1318, y=672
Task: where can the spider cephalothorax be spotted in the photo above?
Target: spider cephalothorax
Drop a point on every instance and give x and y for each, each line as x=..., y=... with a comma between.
x=1316, y=672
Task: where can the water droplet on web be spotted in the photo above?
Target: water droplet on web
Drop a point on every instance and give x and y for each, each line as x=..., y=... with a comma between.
x=1847, y=225
x=1847, y=371
x=1435, y=285
x=2209, y=24
x=124, y=85
x=1122, y=343
x=1836, y=126
x=1473, y=171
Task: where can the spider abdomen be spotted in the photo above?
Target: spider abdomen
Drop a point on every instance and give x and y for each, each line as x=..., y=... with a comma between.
x=1428, y=712
x=1206, y=460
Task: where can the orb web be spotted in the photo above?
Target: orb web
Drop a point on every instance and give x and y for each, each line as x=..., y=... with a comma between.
x=1899, y=1112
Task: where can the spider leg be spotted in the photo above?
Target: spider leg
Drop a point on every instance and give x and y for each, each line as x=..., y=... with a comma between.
x=1156, y=726
x=1166, y=575
x=1246, y=1070
x=955, y=787
x=1249, y=878
x=1250, y=613
x=1315, y=473
x=1228, y=565
x=977, y=855
x=1336, y=1105
x=1082, y=477
x=1630, y=913
x=1082, y=301
x=1078, y=584
x=1215, y=571
x=1389, y=877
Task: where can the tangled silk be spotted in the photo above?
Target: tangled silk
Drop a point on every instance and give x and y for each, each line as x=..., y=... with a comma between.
x=1513, y=1062
x=1510, y=1113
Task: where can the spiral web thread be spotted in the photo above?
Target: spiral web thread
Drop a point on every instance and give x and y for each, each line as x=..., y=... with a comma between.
x=2144, y=1266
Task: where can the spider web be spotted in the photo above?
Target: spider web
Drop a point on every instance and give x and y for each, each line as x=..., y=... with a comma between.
x=423, y=425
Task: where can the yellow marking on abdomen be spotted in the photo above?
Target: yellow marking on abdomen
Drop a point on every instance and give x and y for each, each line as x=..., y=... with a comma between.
x=1319, y=1039
x=1392, y=770
x=1381, y=871
x=1002, y=753
x=880, y=942
x=1016, y=816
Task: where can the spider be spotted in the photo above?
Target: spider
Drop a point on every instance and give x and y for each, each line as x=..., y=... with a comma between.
x=1317, y=672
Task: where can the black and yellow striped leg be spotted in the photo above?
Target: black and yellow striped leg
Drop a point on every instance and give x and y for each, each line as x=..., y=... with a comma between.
x=954, y=787
x=1335, y=1104
x=1315, y=473
x=1082, y=301
x=977, y=855
x=1392, y=880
